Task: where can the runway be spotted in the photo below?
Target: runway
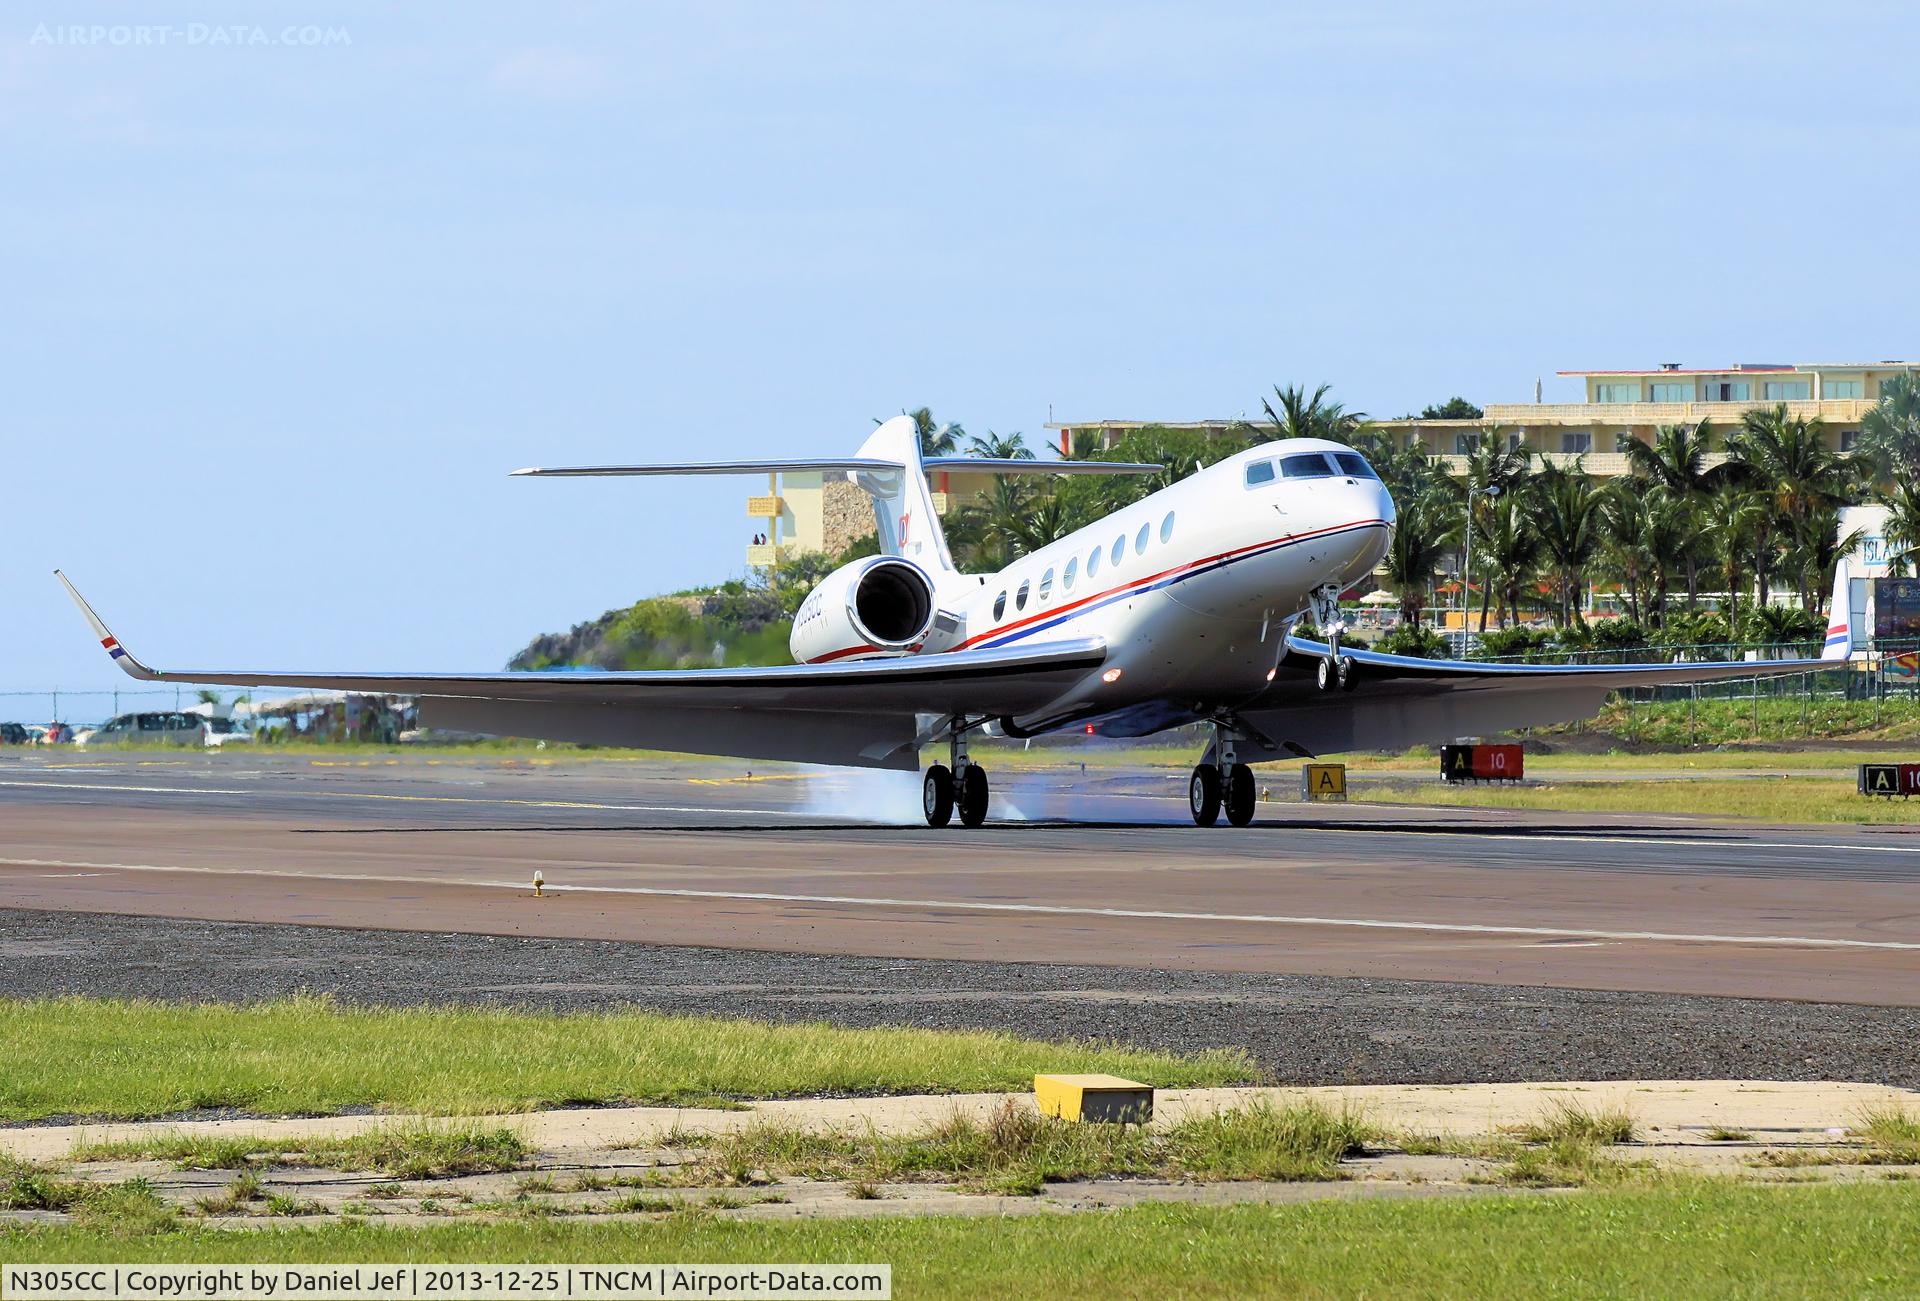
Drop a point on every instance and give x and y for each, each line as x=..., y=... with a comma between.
x=701, y=854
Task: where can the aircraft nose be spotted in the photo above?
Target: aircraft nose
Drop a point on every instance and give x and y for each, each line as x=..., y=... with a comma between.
x=1368, y=499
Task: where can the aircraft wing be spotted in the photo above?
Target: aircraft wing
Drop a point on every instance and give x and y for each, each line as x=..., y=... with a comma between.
x=860, y=712
x=1402, y=700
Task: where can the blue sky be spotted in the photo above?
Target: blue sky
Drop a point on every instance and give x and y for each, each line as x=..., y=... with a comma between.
x=280, y=317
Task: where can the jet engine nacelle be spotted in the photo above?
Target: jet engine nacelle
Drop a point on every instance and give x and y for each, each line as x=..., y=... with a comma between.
x=880, y=605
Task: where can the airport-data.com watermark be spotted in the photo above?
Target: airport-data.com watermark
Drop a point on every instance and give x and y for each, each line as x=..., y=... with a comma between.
x=201, y=35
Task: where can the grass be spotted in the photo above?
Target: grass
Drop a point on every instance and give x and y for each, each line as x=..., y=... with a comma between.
x=1892, y=1133
x=1721, y=1134
x=130, y=1059
x=1567, y=1121
x=1785, y=799
x=1016, y=1151
x=129, y=1207
x=1686, y=1238
x=412, y=1151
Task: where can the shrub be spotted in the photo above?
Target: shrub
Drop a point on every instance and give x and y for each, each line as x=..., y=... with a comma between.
x=1405, y=639
x=1618, y=635
x=1516, y=643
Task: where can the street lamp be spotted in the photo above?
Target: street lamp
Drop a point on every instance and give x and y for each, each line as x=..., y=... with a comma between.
x=1466, y=584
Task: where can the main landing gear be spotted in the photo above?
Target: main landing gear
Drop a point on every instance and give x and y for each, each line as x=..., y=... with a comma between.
x=1228, y=783
x=1336, y=671
x=942, y=790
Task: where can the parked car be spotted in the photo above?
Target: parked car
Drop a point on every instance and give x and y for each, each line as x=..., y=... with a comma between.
x=150, y=729
x=14, y=734
x=224, y=731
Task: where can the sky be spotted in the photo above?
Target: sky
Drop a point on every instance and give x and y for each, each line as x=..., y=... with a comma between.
x=286, y=290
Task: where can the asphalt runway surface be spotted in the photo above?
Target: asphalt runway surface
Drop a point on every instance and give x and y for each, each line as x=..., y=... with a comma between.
x=1333, y=929
x=702, y=854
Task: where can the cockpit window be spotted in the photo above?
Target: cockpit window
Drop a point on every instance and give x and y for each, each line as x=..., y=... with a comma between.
x=1308, y=465
x=1259, y=472
x=1355, y=464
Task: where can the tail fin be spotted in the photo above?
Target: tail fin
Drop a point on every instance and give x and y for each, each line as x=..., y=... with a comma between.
x=902, y=502
x=1843, y=617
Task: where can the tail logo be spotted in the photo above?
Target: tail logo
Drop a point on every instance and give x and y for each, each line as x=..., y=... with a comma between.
x=113, y=647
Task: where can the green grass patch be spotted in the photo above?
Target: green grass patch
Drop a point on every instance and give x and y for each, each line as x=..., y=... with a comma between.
x=1016, y=1151
x=130, y=1059
x=128, y=1207
x=1566, y=1120
x=1688, y=1238
x=414, y=1151
x=1782, y=799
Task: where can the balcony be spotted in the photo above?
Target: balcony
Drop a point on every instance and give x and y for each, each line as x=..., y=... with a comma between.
x=1841, y=411
x=1601, y=465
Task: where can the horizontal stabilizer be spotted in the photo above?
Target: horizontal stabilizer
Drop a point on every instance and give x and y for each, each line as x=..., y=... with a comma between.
x=847, y=463
x=1026, y=465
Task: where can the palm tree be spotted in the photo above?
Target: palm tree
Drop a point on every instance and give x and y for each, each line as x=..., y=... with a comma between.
x=1890, y=432
x=1567, y=511
x=1902, y=501
x=1732, y=516
x=1786, y=458
x=995, y=447
x=1495, y=461
x=1676, y=461
x=1625, y=516
x=1301, y=416
x=1425, y=533
x=935, y=439
x=1672, y=529
x=1512, y=547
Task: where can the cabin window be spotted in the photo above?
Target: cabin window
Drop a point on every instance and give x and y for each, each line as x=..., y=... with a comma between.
x=1020, y=597
x=1066, y=575
x=1355, y=464
x=999, y=606
x=1166, y=528
x=1308, y=465
x=1118, y=550
x=1046, y=585
x=1140, y=539
x=1093, y=562
x=1259, y=472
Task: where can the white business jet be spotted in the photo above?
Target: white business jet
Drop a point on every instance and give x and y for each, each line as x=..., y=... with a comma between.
x=1176, y=609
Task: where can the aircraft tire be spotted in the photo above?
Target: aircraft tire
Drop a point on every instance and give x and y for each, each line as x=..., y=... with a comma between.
x=1349, y=673
x=1327, y=677
x=1239, y=795
x=936, y=795
x=973, y=795
x=1203, y=795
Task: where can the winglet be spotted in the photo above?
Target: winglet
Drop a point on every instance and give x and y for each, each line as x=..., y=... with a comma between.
x=1840, y=631
x=133, y=667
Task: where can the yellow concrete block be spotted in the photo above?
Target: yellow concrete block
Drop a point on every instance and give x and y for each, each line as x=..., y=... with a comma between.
x=1105, y=1099
x=764, y=506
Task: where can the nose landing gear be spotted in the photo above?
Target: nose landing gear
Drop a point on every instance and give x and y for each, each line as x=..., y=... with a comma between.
x=963, y=786
x=1227, y=783
x=1336, y=671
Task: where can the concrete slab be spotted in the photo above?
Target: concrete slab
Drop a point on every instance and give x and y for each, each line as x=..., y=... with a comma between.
x=1678, y=1111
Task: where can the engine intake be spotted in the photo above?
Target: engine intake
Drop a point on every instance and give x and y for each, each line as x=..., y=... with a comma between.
x=881, y=605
